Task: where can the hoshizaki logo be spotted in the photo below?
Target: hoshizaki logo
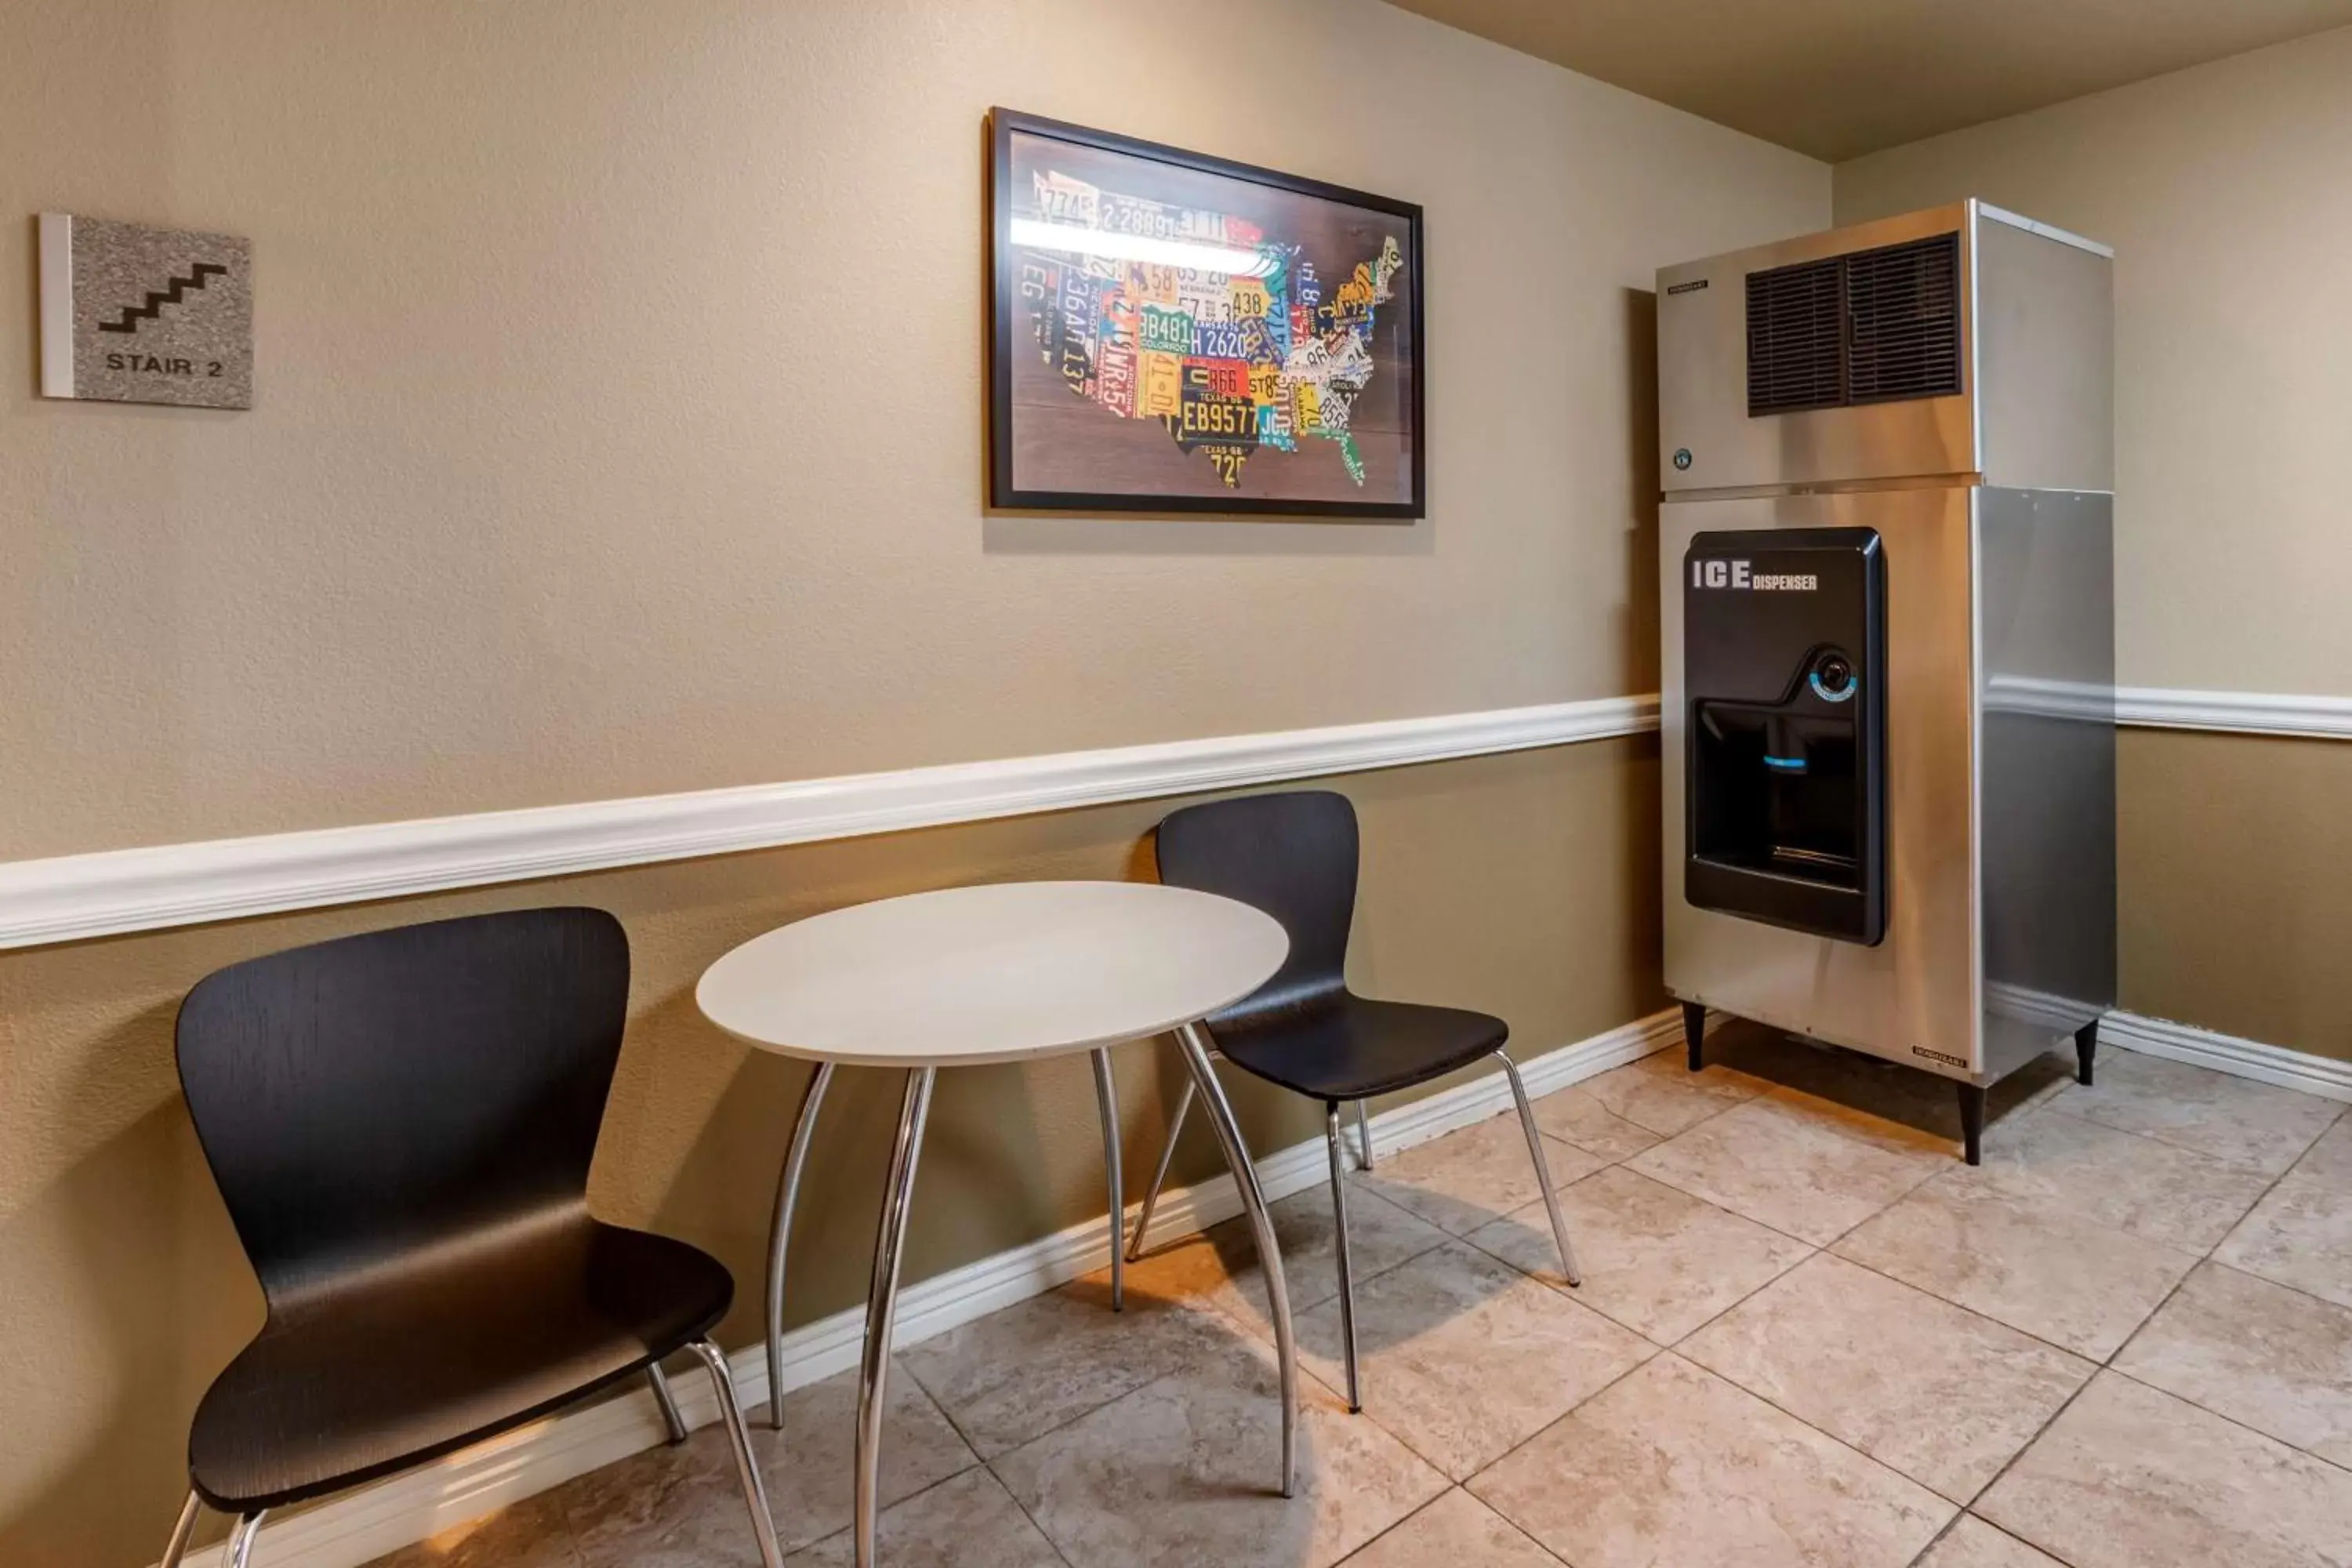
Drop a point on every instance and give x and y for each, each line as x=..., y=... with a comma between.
x=1715, y=573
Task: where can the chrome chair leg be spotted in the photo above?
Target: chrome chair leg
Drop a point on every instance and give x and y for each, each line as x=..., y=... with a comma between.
x=1339, y=1220
x=1363, y=1137
x=1543, y=1169
x=780, y=1235
x=1107, y=1095
x=747, y=1466
x=882, y=1304
x=1159, y=1177
x=239, y=1551
x=189, y=1510
x=1195, y=1044
x=671, y=1420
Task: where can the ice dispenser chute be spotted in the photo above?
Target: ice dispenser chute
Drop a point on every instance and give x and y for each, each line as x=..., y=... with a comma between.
x=1784, y=646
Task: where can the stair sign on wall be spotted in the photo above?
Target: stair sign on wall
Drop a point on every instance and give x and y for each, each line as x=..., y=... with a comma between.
x=136, y=314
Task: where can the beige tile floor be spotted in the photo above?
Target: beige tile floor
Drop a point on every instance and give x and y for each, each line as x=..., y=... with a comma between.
x=1807, y=1334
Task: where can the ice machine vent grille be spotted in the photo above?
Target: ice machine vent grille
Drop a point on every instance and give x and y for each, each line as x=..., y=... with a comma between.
x=1875, y=326
x=1795, y=331
x=1905, y=303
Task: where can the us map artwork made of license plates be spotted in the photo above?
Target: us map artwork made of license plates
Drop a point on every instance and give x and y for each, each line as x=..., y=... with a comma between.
x=1251, y=353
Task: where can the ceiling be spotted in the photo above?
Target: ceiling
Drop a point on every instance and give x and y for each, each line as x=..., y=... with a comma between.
x=1837, y=79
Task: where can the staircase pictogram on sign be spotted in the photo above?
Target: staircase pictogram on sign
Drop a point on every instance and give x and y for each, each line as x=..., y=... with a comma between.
x=177, y=289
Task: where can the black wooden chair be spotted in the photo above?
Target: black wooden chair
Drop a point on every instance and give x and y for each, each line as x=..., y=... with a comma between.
x=1294, y=856
x=401, y=1125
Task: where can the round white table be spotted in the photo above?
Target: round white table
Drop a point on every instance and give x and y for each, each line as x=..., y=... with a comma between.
x=1009, y=972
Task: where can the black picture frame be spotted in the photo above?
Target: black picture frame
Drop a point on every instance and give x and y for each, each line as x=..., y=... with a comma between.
x=1010, y=335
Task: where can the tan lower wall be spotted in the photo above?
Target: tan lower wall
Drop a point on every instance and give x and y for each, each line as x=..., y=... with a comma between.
x=2236, y=885
x=1523, y=884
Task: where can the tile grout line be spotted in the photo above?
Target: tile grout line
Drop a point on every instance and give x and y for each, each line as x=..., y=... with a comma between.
x=1961, y=1509
x=886, y=1509
x=1960, y=1506
x=978, y=1462
x=1433, y=1502
x=2107, y=1364
x=1463, y=1482
x=1792, y=1236
x=2265, y=1279
x=1568, y=1414
x=1035, y=1523
x=1206, y=1304
x=2053, y=1107
x=1624, y=1163
x=1444, y=1237
x=2044, y=1107
x=1750, y=1296
x=900, y=1368
x=1954, y=1523
x=2047, y=1104
x=1948, y=1526
x=1607, y=1162
x=1705, y=1371
x=2225, y=1418
x=1655, y=1349
x=2205, y=1259
x=1963, y=1307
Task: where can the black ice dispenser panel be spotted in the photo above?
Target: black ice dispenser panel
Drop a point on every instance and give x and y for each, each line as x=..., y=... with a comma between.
x=1784, y=653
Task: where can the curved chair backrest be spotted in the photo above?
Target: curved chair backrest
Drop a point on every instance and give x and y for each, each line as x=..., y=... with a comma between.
x=1292, y=855
x=362, y=1098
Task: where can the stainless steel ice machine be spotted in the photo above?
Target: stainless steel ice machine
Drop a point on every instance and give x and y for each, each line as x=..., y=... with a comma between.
x=1887, y=454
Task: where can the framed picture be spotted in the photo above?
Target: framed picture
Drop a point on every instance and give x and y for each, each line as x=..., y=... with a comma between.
x=1176, y=333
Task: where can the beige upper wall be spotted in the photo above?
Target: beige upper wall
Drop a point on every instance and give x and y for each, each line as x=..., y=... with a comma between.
x=620, y=418
x=2227, y=192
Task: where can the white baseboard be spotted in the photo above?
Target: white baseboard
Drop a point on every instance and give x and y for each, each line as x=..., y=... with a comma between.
x=2322, y=1076
x=358, y=1527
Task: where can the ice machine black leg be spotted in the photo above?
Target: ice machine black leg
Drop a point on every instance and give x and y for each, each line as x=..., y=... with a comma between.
x=1694, y=1033
x=1972, y=1104
x=2087, y=1050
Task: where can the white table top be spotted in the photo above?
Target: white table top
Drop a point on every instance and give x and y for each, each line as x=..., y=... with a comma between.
x=997, y=974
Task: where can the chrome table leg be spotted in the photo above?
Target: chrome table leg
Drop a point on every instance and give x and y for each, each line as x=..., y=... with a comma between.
x=1195, y=1044
x=1339, y=1218
x=1543, y=1169
x=671, y=1419
x=882, y=1303
x=1363, y=1136
x=182, y=1531
x=780, y=1235
x=238, y=1554
x=1106, y=1094
x=747, y=1465
x=1159, y=1177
